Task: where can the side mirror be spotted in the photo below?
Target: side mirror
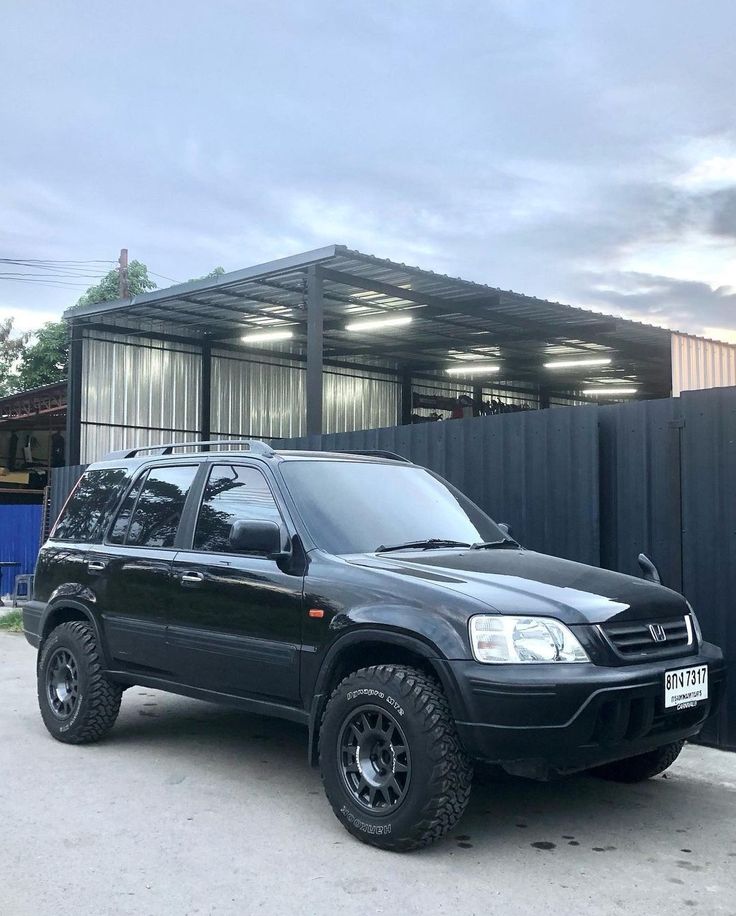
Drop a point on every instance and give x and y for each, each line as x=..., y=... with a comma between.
x=256, y=536
x=648, y=570
x=505, y=527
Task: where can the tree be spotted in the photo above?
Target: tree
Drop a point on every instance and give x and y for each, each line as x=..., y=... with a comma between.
x=45, y=361
x=213, y=274
x=107, y=289
x=11, y=353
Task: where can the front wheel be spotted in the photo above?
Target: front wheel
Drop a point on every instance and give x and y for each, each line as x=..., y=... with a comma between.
x=78, y=703
x=392, y=764
x=644, y=766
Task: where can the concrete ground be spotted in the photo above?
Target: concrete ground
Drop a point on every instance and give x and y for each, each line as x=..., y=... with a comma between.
x=188, y=808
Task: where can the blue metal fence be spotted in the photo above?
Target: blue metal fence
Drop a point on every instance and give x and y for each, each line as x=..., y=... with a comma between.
x=20, y=533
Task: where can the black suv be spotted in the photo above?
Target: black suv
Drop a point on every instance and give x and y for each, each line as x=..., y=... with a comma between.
x=367, y=598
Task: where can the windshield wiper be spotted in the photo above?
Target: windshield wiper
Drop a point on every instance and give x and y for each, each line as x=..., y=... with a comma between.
x=427, y=544
x=497, y=545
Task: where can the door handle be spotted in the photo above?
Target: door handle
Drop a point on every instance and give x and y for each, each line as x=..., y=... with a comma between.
x=192, y=578
x=96, y=565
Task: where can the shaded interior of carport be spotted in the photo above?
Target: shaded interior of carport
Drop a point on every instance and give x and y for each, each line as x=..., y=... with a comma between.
x=457, y=337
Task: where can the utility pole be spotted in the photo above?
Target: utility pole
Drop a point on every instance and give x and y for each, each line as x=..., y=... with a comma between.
x=123, y=284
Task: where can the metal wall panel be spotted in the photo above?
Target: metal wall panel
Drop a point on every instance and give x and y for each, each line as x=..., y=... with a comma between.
x=268, y=399
x=536, y=470
x=136, y=392
x=258, y=399
x=699, y=363
x=640, y=487
x=20, y=533
x=709, y=532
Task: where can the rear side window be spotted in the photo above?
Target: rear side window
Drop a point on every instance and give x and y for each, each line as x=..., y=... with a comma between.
x=150, y=515
x=232, y=494
x=92, y=501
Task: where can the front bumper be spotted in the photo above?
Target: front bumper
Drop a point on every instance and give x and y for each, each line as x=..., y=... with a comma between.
x=538, y=720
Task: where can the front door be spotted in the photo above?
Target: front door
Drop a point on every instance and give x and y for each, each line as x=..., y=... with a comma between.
x=235, y=623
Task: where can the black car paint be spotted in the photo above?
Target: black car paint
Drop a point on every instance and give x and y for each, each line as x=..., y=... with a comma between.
x=251, y=615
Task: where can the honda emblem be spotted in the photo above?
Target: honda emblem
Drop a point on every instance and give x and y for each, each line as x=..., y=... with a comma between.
x=657, y=631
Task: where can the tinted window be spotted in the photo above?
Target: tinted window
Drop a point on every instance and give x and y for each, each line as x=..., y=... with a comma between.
x=157, y=512
x=90, y=506
x=232, y=494
x=120, y=528
x=353, y=507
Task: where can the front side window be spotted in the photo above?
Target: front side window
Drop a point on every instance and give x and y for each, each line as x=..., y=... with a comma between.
x=232, y=494
x=89, y=508
x=151, y=517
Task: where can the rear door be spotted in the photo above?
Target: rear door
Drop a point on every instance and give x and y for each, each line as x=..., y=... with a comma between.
x=131, y=571
x=235, y=621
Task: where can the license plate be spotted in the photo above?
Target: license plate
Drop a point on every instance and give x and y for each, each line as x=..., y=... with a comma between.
x=685, y=687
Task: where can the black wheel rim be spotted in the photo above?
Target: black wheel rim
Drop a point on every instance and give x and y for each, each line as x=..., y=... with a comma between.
x=374, y=759
x=62, y=683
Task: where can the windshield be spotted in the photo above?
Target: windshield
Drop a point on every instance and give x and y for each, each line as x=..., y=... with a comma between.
x=356, y=507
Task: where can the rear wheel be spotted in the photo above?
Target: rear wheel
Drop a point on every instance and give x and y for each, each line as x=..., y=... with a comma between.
x=391, y=761
x=78, y=703
x=645, y=766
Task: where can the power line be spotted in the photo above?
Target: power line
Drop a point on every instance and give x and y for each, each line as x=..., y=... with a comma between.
x=51, y=261
x=163, y=277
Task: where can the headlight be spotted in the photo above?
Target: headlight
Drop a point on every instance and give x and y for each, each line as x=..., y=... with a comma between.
x=696, y=624
x=499, y=639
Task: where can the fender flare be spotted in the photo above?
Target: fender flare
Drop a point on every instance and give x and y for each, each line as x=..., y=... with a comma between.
x=373, y=634
x=63, y=603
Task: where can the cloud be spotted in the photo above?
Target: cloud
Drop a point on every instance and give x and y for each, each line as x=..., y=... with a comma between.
x=573, y=151
x=678, y=304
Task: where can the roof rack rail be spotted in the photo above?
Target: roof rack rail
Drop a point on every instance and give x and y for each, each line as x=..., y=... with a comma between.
x=256, y=446
x=370, y=453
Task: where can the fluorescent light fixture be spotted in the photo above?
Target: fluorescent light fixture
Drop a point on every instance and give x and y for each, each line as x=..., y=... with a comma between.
x=610, y=392
x=573, y=363
x=377, y=324
x=472, y=368
x=267, y=336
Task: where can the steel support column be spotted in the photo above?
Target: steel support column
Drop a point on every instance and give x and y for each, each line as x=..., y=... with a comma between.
x=406, y=399
x=205, y=393
x=74, y=396
x=315, y=348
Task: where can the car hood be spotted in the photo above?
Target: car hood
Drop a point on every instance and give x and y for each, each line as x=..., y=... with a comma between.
x=517, y=581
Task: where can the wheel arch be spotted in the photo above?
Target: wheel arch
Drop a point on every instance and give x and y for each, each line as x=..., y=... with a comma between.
x=65, y=611
x=364, y=648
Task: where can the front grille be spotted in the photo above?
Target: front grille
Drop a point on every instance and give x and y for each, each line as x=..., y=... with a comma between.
x=638, y=638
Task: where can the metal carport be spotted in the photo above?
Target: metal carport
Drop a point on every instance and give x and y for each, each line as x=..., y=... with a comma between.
x=455, y=324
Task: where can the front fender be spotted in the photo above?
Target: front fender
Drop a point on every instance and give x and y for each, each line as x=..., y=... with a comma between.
x=383, y=626
x=431, y=629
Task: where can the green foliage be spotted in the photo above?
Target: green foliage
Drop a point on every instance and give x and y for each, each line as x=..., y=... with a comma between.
x=13, y=622
x=45, y=361
x=213, y=274
x=11, y=354
x=107, y=289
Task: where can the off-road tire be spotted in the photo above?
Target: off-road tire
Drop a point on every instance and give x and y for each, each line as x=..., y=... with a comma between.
x=439, y=773
x=97, y=700
x=645, y=766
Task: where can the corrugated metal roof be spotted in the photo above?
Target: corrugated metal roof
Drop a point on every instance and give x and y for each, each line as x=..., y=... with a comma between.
x=453, y=318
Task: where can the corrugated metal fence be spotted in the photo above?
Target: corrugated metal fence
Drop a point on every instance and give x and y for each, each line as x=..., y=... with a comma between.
x=536, y=470
x=598, y=485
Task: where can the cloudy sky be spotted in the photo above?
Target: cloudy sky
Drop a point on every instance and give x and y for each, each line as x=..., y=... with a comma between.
x=573, y=150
